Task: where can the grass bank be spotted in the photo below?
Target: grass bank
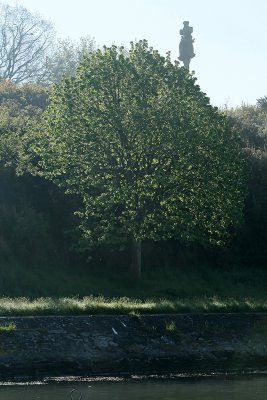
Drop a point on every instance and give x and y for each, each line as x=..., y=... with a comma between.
x=134, y=307
x=53, y=290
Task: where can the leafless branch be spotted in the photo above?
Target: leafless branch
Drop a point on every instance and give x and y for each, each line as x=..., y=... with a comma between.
x=26, y=41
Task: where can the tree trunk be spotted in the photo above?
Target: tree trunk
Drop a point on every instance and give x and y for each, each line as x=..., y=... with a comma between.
x=136, y=251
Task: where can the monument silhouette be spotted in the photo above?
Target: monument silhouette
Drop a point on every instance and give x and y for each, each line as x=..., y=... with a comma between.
x=186, y=49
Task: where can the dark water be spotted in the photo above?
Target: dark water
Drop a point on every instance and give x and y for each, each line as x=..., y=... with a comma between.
x=224, y=388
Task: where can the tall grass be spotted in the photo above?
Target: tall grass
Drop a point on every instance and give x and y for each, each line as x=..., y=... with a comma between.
x=100, y=305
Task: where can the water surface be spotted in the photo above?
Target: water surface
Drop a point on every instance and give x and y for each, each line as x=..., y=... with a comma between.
x=223, y=388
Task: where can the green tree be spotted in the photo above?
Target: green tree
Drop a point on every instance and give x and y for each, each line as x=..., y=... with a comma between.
x=23, y=229
x=34, y=213
x=262, y=103
x=250, y=124
x=19, y=106
x=133, y=135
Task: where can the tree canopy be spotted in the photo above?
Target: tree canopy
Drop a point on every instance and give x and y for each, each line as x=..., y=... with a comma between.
x=66, y=57
x=133, y=135
x=250, y=124
x=262, y=103
x=19, y=106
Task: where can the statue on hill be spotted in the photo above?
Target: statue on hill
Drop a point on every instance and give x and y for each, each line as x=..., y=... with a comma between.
x=186, y=49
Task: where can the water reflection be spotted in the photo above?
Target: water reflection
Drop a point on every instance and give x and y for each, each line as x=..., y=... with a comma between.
x=75, y=394
x=245, y=388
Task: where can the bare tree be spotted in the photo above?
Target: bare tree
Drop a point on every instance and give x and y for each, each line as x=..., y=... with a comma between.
x=67, y=56
x=25, y=44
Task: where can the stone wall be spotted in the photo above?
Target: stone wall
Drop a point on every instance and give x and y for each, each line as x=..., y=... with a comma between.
x=125, y=345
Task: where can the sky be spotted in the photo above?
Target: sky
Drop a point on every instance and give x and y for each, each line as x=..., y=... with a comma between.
x=230, y=36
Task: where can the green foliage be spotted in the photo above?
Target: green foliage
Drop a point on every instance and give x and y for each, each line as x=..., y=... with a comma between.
x=32, y=210
x=262, y=103
x=250, y=124
x=170, y=327
x=136, y=139
x=135, y=315
x=23, y=231
x=10, y=328
x=19, y=106
x=22, y=228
